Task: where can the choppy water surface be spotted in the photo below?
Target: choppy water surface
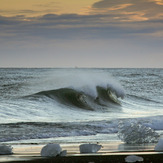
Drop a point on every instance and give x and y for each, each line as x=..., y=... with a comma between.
x=65, y=103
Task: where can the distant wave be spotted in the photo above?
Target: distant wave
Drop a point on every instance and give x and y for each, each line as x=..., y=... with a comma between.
x=80, y=99
x=142, y=98
x=41, y=130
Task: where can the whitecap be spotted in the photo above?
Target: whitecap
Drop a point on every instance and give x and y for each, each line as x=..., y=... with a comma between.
x=133, y=133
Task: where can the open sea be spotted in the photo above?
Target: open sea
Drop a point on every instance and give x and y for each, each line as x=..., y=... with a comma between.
x=77, y=105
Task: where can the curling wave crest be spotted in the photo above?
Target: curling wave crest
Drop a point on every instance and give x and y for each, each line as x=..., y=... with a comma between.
x=72, y=97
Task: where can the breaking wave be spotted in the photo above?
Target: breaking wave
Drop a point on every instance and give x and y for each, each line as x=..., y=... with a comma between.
x=72, y=97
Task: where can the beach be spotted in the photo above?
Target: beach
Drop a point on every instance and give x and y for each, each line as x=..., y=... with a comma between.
x=71, y=107
x=110, y=152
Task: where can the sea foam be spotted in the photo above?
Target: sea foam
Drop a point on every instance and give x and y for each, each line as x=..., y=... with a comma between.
x=84, y=80
x=136, y=133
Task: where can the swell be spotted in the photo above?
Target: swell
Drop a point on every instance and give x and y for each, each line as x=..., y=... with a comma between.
x=142, y=99
x=75, y=98
x=42, y=130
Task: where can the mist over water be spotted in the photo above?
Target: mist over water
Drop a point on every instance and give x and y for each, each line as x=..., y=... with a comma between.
x=53, y=103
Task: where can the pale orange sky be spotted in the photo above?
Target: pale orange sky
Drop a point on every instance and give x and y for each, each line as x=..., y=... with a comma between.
x=83, y=33
x=42, y=7
x=127, y=10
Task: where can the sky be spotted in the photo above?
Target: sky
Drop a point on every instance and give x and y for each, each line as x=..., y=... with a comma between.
x=81, y=33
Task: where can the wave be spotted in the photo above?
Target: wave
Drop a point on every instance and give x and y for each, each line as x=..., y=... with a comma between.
x=142, y=99
x=43, y=130
x=40, y=130
x=72, y=97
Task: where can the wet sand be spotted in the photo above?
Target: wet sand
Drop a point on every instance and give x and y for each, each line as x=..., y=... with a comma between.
x=111, y=152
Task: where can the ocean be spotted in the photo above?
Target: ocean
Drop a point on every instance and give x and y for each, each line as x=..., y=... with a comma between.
x=68, y=105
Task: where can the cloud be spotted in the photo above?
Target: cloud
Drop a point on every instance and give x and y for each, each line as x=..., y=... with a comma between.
x=112, y=33
x=79, y=40
x=159, y=2
x=141, y=9
x=109, y=3
x=73, y=26
x=107, y=19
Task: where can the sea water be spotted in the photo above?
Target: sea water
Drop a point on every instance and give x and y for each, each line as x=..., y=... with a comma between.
x=77, y=105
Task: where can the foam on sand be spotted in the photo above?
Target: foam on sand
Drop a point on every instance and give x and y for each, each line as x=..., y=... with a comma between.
x=136, y=133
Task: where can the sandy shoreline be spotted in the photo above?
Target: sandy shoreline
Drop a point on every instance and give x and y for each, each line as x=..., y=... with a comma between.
x=111, y=152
